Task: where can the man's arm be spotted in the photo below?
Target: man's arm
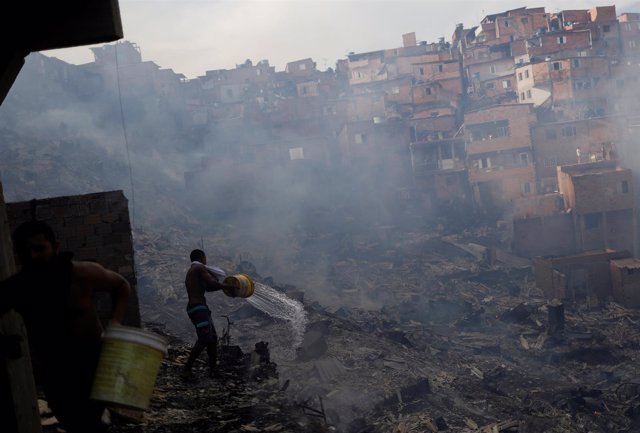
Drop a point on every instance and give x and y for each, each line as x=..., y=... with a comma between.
x=99, y=278
x=211, y=283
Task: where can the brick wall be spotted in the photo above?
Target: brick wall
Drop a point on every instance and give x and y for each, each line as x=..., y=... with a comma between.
x=602, y=192
x=95, y=227
x=555, y=143
x=584, y=275
x=625, y=278
x=543, y=236
x=560, y=41
x=518, y=118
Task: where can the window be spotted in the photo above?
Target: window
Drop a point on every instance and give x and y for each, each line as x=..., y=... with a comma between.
x=395, y=90
x=524, y=159
x=575, y=63
x=506, y=84
x=522, y=96
x=557, y=66
x=484, y=163
x=490, y=85
x=551, y=134
x=592, y=221
x=492, y=69
x=526, y=73
x=561, y=40
x=632, y=43
x=627, y=27
x=569, y=131
x=525, y=188
x=606, y=28
x=519, y=76
x=524, y=20
x=437, y=68
x=580, y=85
x=258, y=71
x=507, y=23
x=427, y=91
x=302, y=67
x=624, y=187
x=360, y=138
x=421, y=70
x=529, y=94
x=550, y=162
x=503, y=131
x=327, y=111
x=296, y=153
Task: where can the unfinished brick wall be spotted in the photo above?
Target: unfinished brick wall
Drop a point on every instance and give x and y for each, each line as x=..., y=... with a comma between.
x=95, y=227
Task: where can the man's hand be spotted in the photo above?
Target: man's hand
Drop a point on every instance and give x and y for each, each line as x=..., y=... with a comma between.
x=231, y=291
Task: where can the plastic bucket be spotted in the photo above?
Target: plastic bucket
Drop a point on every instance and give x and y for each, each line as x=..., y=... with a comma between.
x=243, y=282
x=128, y=367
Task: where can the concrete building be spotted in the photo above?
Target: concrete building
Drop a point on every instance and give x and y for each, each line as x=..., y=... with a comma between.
x=301, y=68
x=625, y=279
x=575, y=87
x=579, y=277
x=499, y=155
x=630, y=34
x=601, y=200
x=556, y=144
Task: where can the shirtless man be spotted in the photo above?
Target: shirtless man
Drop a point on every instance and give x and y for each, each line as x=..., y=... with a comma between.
x=54, y=295
x=198, y=281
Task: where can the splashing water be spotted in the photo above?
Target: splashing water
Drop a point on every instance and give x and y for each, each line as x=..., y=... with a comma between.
x=280, y=306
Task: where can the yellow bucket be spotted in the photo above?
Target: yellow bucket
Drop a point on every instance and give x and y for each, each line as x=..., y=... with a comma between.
x=243, y=282
x=129, y=363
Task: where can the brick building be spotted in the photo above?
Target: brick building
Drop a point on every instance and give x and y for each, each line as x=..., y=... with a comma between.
x=601, y=199
x=556, y=144
x=499, y=155
x=577, y=277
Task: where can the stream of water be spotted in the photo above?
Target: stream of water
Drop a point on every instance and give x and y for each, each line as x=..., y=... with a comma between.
x=280, y=306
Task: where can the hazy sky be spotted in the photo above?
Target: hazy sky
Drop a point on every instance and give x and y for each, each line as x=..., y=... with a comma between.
x=193, y=36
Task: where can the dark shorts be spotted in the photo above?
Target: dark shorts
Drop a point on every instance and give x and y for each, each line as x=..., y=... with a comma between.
x=200, y=316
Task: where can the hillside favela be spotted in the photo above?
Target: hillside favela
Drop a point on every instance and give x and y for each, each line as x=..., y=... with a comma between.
x=435, y=236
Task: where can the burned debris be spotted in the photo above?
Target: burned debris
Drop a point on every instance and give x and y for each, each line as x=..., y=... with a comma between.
x=458, y=219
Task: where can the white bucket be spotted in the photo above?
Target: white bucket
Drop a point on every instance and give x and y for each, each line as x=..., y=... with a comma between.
x=130, y=359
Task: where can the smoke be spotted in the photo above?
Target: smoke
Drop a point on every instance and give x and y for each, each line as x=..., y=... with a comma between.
x=241, y=184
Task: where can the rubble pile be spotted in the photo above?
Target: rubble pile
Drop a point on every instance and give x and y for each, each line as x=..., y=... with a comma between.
x=411, y=329
x=459, y=344
x=247, y=398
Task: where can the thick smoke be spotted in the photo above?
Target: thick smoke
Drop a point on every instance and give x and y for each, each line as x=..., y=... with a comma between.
x=293, y=219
